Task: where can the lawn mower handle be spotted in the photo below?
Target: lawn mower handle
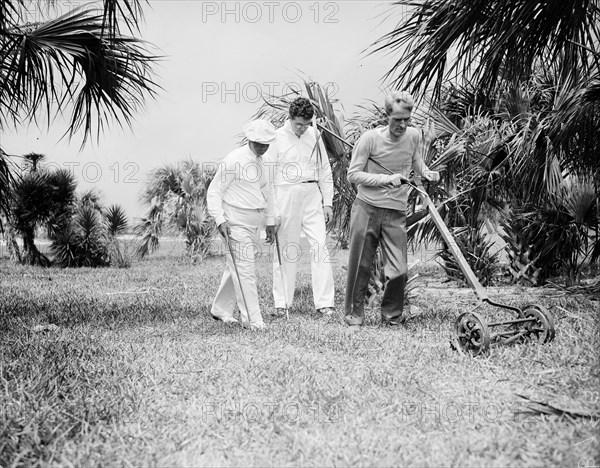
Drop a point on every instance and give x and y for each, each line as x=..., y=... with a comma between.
x=472, y=280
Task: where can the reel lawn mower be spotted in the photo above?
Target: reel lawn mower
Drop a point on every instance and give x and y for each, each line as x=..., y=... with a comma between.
x=473, y=334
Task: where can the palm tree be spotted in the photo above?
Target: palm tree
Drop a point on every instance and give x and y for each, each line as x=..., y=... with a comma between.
x=42, y=198
x=115, y=223
x=87, y=235
x=31, y=161
x=496, y=46
x=175, y=195
x=79, y=63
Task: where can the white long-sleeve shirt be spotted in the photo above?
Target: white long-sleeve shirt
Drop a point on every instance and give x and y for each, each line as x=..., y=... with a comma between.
x=245, y=181
x=300, y=160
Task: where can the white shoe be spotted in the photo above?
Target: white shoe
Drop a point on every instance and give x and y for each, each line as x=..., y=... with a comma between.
x=225, y=319
x=326, y=311
x=278, y=312
x=255, y=326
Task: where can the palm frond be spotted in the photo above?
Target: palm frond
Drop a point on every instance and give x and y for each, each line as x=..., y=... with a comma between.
x=150, y=230
x=31, y=161
x=160, y=182
x=71, y=60
x=62, y=186
x=88, y=223
x=115, y=220
x=444, y=39
x=579, y=198
x=91, y=197
x=128, y=11
x=8, y=178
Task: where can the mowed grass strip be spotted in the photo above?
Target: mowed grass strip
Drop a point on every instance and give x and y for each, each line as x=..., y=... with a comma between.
x=137, y=374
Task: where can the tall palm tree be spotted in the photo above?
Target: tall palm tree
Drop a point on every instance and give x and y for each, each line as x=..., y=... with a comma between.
x=79, y=63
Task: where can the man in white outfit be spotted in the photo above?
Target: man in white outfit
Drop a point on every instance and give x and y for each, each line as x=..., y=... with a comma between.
x=238, y=198
x=304, y=194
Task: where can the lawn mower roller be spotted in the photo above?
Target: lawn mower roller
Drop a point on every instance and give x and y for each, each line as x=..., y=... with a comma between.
x=473, y=334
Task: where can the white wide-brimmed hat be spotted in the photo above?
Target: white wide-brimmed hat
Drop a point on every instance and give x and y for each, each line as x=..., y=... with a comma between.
x=260, y=131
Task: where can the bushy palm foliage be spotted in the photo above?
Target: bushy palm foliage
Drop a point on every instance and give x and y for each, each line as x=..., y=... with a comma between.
x=115, y=220
x=115, y=223
x=88, y=236
x=32, y=161
x=83, y=242
x=490, y=171
x=533, y=62
x=78, y=229
x=487, y=42
x=555, y=237
x=175, y=195
x=79, y=62
x=91, y=197
x=477, y=248
x=41, y=198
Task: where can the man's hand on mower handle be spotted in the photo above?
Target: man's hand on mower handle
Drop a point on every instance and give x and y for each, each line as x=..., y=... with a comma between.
x=224, y=229
x=431, y=176
x=396, y=180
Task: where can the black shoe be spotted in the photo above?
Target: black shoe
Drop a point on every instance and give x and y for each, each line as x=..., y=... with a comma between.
x=393, y=323
x=390, y=323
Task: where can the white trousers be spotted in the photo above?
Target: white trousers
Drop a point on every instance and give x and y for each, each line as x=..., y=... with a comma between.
x=245, y=229
x=301, y=210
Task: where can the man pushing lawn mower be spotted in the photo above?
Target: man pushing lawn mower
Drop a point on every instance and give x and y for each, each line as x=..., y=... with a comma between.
x=382, y=161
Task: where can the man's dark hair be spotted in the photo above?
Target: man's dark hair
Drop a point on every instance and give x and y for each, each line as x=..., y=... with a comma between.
x=301, y=107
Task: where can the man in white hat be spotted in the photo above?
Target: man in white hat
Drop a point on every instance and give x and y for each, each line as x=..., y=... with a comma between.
x=304, y=193
x=238, y=198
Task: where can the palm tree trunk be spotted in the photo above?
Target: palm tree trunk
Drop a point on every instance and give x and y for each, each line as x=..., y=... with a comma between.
x=13, y=246
x=31, y=254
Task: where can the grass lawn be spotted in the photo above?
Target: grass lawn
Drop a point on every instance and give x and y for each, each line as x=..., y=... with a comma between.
x=135, y=373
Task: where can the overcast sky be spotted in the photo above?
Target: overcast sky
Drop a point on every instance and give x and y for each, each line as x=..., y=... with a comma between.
x=218, y=57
